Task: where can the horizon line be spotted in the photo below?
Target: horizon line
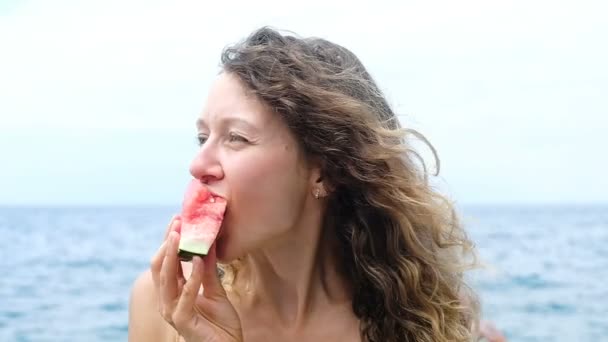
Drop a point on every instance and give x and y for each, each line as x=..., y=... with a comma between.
x=168, y=205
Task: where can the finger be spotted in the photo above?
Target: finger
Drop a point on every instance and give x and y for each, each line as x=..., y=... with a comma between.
x=156, y=264
x=184, y=311
x=181, y=280
x=180, y=285
x=172, y=225
x=168, y=273
x=177, y=225
x=157, y=260
x=211, y=280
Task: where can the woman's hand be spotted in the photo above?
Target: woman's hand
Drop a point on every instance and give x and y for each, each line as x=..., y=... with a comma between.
x=197, y=317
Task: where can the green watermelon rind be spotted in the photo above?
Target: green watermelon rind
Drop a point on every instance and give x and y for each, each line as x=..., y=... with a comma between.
x=191, y=248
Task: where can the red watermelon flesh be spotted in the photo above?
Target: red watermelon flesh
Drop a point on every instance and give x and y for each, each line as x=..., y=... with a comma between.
x=201, y=219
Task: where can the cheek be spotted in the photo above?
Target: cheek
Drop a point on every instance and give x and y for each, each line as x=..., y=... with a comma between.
x=267, y=194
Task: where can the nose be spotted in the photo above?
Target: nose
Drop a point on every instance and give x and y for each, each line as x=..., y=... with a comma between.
x=206, y=165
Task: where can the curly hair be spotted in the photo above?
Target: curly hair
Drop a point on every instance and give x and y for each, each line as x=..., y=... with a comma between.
x=403, y=248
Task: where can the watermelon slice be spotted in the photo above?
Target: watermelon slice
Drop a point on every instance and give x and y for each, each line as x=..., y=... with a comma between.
x=201, y=218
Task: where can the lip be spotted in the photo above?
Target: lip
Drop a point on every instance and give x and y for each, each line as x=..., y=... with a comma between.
x=215, y=194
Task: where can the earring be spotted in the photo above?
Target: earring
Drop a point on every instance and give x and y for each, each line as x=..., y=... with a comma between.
x=317, y=193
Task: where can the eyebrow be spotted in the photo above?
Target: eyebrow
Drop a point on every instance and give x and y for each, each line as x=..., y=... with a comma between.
x=200, y=123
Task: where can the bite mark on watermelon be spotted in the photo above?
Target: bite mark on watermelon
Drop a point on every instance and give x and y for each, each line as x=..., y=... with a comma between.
x=201, y=219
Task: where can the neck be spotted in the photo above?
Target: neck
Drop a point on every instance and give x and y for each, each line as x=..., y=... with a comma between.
x=294, y=276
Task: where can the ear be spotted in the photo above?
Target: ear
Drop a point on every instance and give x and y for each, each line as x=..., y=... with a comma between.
x=318, y=181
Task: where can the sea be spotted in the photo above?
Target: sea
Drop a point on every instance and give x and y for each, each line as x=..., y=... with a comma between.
x=66, y=272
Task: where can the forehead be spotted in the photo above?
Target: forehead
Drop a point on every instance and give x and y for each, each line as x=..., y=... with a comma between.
x=228, y=97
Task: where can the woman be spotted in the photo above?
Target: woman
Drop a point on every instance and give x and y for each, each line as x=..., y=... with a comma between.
x=332, y=231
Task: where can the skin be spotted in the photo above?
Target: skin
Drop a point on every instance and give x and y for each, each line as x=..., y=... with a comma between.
x=290, y=289
x=490, y=332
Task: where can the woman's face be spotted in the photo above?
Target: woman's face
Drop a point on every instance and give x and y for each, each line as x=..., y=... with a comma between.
x=249, y=156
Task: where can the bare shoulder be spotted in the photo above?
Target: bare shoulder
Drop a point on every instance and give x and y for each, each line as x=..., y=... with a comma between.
x=145, y=322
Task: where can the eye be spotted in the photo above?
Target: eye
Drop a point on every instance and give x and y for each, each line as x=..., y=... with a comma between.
x=233, y=137
x=201, y=139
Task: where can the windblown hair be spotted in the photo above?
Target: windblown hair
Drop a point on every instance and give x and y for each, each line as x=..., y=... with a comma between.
x=403, y=248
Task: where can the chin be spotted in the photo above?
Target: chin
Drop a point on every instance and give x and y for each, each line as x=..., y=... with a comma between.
x=226, y=252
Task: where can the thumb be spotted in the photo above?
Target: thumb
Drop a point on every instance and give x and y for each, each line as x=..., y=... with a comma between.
x=212, y=283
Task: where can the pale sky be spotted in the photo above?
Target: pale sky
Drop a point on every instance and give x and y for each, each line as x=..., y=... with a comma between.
x=98, y=99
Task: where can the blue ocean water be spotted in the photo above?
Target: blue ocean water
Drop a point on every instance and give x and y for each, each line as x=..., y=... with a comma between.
x=67, y=272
